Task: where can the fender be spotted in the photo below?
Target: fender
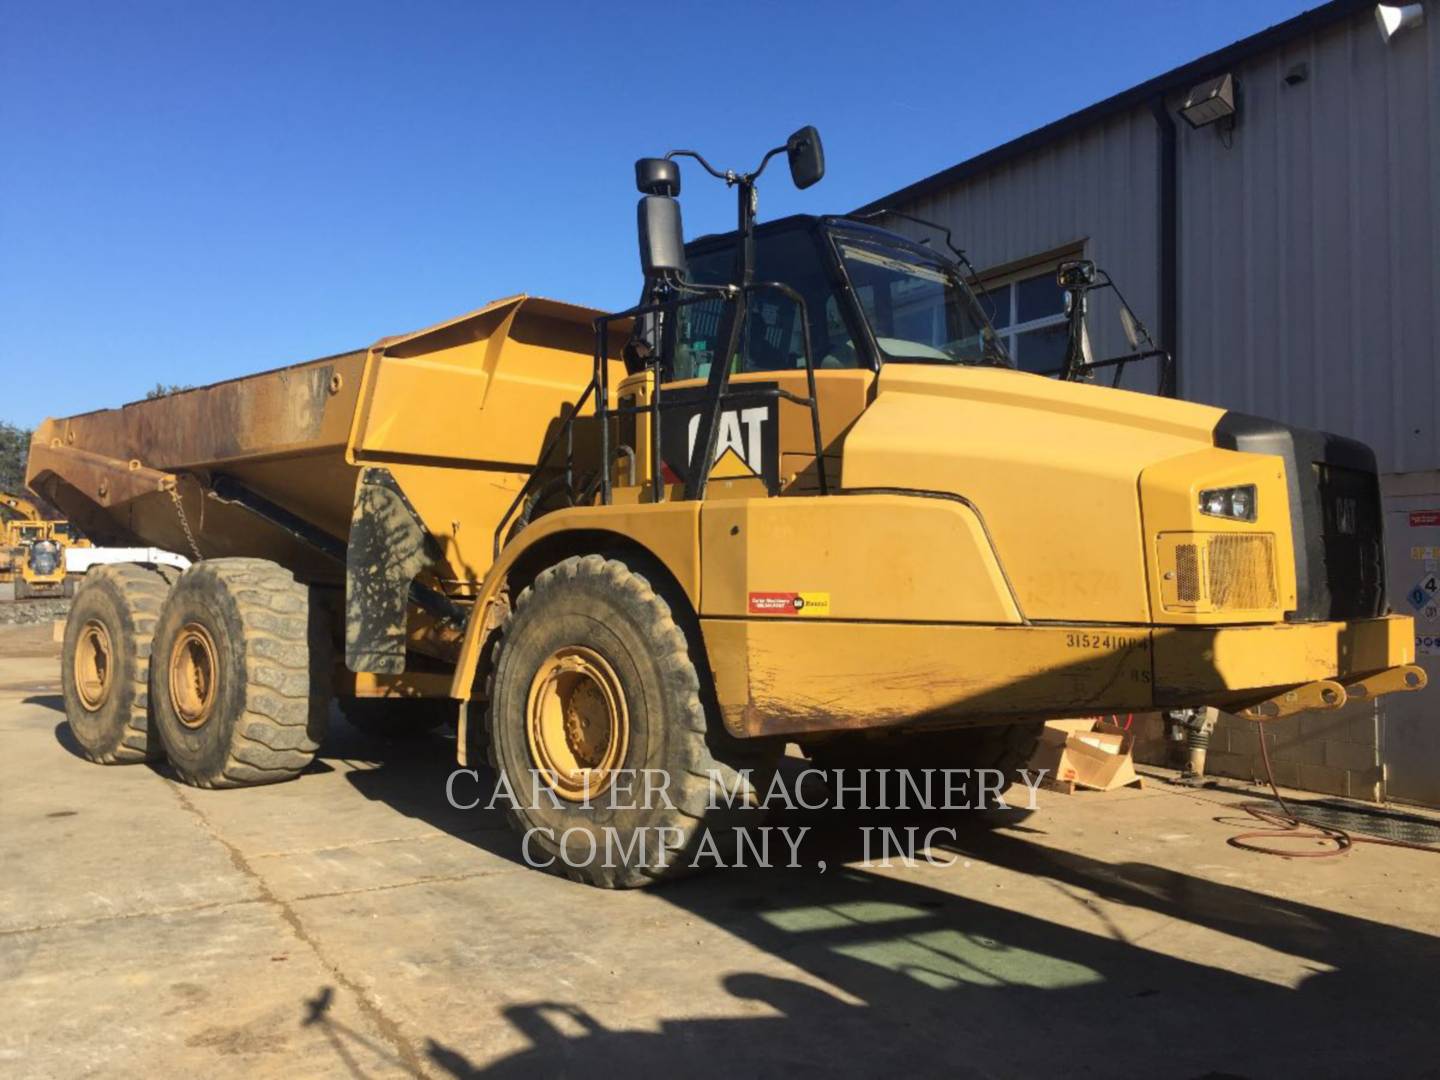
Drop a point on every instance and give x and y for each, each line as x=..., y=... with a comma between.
x=669, y=531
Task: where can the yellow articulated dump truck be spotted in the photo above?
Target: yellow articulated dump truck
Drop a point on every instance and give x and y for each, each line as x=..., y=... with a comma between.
x=798, y=494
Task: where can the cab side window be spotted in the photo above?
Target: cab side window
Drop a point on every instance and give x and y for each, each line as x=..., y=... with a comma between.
x=774, y=335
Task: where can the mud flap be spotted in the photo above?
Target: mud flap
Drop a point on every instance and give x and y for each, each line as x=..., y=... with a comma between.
x=388, y=547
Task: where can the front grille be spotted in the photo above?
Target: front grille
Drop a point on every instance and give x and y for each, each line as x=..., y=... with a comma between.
x=1351, y=555
x=1241, y=572
x=1187, y=573
x=1210, y=572
x=1335, y=515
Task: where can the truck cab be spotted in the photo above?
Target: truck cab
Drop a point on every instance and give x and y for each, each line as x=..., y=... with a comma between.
x=865, y=296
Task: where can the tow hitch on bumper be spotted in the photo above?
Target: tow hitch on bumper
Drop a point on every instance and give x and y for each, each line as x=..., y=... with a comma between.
x=1325, y=694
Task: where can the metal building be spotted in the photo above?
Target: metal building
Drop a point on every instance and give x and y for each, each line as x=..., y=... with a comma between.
x=1285, y=249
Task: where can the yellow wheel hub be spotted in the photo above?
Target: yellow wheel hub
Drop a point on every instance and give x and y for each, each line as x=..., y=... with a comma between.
x=577, y=725
x=193, y=674
x=94, y=662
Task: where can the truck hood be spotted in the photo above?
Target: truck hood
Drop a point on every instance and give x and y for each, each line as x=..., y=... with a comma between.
x=1052, y=467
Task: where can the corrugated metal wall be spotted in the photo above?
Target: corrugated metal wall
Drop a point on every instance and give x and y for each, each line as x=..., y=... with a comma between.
x=1308, y=287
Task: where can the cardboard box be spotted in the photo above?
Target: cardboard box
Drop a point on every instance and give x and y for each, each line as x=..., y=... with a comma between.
x=1086, y=753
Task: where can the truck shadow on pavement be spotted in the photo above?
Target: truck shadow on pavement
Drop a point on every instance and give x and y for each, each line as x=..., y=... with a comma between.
x=67, y=742
x=891, y=973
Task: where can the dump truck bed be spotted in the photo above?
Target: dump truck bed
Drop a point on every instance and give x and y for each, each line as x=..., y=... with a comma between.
x=459, y=412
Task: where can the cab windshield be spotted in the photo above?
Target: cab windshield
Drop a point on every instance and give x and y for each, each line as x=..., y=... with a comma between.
x=918, y=308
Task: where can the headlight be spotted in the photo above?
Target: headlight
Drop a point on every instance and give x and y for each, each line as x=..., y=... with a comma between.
x=1229, y=502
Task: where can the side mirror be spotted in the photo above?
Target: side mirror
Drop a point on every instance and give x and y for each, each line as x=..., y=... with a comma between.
x=807, y=157
x=1134, y=332
x=657, y=176
x=662, y=237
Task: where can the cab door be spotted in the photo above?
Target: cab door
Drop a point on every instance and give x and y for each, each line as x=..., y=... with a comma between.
x=765, y=444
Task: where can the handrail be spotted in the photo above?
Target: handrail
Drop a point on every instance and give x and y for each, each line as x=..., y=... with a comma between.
x=720, y=395
x=566, y=428
x=1167, y=366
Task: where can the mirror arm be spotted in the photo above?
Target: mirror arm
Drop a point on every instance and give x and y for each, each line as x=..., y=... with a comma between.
x=1167, y=369
x=764, y=162
x=1117, y=360
x=729, y=175
x=703, y=163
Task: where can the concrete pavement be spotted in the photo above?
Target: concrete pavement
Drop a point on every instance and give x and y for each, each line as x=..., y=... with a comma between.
x=352, y=924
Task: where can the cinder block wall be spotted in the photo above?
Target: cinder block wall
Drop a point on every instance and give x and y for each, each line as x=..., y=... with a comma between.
x=1334, y=753
x=1337, y=753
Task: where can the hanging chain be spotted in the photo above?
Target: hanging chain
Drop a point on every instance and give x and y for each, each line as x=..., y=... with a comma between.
x=184, y=521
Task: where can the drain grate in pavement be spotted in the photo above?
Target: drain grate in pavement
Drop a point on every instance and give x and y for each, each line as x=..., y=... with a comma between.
x=1386, y=824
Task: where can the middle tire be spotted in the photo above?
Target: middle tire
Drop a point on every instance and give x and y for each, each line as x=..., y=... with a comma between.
x=595, y=682
x=240, y=675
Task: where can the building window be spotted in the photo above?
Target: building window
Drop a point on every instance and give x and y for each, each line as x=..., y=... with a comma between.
x=1027, y=308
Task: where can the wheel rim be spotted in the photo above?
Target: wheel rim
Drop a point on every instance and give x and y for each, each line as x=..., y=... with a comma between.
x=193, y=674
x=578, y=725
x=94, y=662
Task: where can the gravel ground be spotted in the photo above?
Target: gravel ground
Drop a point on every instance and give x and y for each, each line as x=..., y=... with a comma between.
x=21, y=612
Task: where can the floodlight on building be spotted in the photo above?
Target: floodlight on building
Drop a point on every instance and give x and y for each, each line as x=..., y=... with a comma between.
x=1212, y=100
x=1394, y=18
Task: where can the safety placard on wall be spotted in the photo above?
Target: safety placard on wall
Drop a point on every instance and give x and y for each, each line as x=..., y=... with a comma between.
x=1423, y=596
x=1422, y=593
x=1425, y=603
x=804, y=604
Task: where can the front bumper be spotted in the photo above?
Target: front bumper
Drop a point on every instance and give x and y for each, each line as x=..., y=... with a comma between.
x=1266, y=672
x=1226, y=660
x=796, y=677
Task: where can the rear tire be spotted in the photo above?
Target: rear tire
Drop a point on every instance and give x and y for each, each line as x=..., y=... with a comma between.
x=594, y=671
x=240, y=682
x=22, y=588
x=397, y=719
x=105, y=668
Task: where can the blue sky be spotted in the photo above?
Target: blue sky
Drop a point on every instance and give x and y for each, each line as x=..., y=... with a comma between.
x=193, y=191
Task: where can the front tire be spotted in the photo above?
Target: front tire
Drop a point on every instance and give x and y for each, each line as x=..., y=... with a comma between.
x=593, y=671
x=240, y=681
